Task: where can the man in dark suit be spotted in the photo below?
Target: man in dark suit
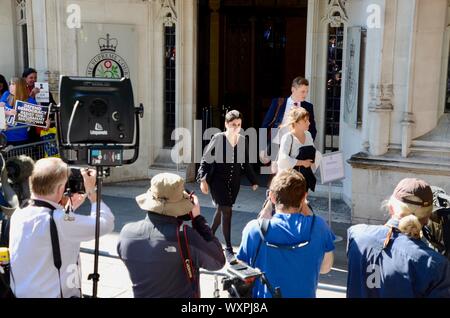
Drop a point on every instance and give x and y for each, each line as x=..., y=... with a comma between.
x=280, y=107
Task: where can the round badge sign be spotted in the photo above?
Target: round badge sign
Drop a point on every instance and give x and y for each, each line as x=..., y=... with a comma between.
x=108, y=64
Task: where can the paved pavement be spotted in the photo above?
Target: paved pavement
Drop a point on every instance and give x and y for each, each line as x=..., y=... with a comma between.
x=114, y=280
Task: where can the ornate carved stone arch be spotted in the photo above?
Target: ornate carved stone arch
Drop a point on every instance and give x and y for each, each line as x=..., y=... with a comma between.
x=168, y=12
x=21, y=12
x=336, y=13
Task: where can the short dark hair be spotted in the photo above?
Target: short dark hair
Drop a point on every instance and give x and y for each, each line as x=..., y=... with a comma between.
x=5, y=84
x=232, y=115
x=28, y=71
x=289, y=188
x=299, y=81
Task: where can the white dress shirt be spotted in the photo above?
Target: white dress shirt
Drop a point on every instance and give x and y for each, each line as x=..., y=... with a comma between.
x=286, y=160
x=33, y=273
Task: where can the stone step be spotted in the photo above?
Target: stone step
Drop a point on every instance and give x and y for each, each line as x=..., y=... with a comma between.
x=156, y=169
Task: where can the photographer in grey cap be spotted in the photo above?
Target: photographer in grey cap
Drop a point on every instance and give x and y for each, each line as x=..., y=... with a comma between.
x=157, y=249
x=391, y=260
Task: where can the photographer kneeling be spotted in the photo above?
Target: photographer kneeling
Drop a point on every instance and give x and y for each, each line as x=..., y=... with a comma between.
x=42, y=239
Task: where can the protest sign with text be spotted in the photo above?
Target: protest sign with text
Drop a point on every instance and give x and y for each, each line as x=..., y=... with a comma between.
x=31, y=114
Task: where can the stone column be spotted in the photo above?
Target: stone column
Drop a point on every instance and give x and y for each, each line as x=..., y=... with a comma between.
x=316, y=63
x=380, y=109
x=407, y=129
x=38, y=50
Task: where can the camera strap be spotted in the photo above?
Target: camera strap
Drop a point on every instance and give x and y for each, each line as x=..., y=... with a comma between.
x=263, y=228
x=57, y=261
x=188, y=265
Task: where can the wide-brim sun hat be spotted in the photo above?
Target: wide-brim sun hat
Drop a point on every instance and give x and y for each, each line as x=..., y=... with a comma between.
x=166, y=196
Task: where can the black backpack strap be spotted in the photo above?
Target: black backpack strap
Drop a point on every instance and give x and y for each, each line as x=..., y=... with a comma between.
x=185, y=254
x=57, y=261
x=263, y=228
x=280, y=103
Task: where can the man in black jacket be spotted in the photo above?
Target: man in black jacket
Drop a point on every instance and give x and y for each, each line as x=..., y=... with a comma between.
x=154, y=250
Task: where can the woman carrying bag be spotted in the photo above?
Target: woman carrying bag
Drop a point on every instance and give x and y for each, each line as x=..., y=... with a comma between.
x=297, y=148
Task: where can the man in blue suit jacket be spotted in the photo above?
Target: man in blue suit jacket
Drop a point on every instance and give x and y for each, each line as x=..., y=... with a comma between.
x=280, y=107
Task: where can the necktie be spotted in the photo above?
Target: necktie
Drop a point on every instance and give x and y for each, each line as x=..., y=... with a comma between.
x=296, y=104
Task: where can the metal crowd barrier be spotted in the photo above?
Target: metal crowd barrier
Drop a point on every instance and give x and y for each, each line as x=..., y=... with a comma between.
x=35, y=150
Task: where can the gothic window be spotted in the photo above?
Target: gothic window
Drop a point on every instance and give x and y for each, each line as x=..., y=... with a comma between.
x=333, y=94
x=21, y=18
x=169, y=84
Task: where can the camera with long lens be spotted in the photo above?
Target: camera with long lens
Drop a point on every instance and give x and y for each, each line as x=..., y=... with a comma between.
x=75, y=184
x=241, y=279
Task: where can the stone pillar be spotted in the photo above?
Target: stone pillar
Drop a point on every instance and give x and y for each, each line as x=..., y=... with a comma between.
x=380, y=109
x=38, y=38
x=316, y=63
x=187, y=73
x=407, y=130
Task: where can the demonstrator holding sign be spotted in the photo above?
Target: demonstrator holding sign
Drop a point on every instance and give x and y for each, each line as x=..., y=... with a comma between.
x=17, y=92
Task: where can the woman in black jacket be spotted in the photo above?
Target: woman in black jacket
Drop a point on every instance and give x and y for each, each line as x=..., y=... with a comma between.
x=225, y=159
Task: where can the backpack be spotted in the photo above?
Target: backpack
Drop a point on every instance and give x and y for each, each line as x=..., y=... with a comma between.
x=437, y=231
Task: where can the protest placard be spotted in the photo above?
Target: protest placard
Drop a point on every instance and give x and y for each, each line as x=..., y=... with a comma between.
x=43, y=96
x=31, y=114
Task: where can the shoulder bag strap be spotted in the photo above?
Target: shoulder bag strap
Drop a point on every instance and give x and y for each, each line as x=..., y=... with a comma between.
x=188, y=266
x=292, y=142
x=57, y=261
x=263, y=228
x=280, y=103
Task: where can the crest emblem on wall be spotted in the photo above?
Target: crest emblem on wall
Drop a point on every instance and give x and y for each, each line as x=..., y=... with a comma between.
x=108, y=64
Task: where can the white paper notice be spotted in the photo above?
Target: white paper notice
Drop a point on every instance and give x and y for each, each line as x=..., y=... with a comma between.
x=332, y=167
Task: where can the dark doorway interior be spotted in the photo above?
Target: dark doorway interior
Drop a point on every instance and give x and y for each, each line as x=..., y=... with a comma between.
x=262, y=47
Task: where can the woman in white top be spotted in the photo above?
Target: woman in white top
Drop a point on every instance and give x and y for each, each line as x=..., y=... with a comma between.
x=291, y=154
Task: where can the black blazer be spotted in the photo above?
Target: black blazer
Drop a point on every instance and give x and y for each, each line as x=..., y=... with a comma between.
x=271, y=113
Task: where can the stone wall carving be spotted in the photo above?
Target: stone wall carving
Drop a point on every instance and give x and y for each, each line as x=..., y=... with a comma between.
x=168, y=12
x=381, y=97
x=336, y=13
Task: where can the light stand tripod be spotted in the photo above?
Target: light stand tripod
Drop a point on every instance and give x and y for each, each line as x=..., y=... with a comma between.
x=101, y=174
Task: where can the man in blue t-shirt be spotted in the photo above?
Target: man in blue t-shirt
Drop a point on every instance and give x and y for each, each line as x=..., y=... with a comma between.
x=391, y=261
x=297, y=245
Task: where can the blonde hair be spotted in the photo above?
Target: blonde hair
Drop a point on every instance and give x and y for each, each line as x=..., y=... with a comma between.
x=295, y=115
x=21, y=92
x=48, y=173
x=412, y=217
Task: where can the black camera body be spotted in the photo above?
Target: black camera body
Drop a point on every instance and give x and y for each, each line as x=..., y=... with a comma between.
x=75, y=184
x=243, y=271
x=240, y=280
